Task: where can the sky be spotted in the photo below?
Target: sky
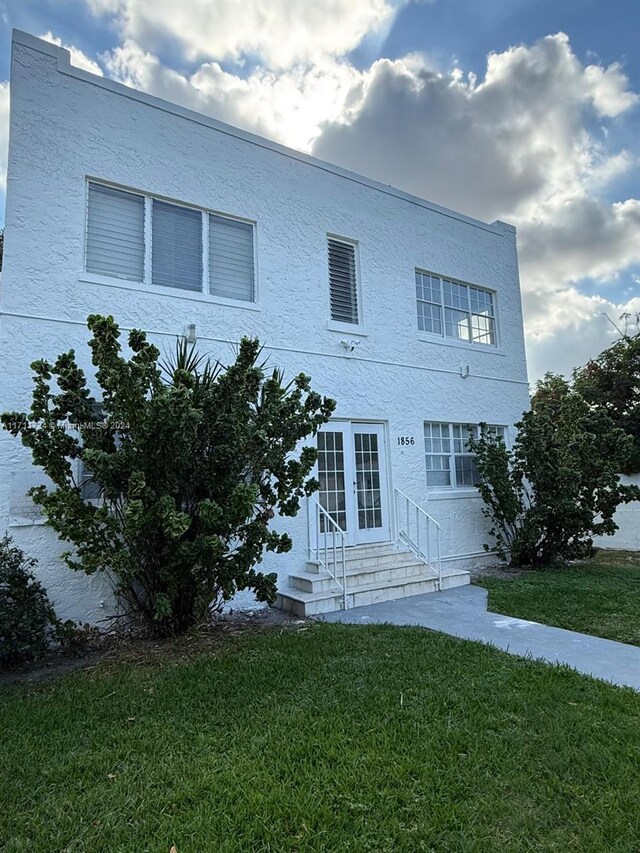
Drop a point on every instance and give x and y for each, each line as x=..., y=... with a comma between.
x=526, y=111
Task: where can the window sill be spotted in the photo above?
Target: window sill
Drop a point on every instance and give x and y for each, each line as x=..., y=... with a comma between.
x=175, y=293
x=453, y=495
x=347, y=328
x=446, y=342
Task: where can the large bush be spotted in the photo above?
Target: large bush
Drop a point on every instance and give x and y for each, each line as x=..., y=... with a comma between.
x=28, y=623
x=558, y=486
x=191, y=460
x=611, y=382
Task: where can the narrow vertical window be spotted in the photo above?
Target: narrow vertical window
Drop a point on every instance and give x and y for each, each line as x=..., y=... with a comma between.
x=231, y=268
x=342, y=281
x=115, y=233
x=177, y=246
x=429, y=301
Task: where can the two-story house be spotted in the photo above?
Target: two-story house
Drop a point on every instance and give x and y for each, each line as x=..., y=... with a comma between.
x=407, y=313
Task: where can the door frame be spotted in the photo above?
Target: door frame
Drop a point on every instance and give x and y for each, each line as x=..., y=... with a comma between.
x=349, y=426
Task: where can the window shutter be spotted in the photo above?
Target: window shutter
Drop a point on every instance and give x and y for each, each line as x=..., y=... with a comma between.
x=231, y=272
x=90, y=489
x=115, y=233
x=342, y=282
x=176, y=246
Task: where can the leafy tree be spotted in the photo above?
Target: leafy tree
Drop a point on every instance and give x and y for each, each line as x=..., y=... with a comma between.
x=558, y=486
x=192, y=461
x=28, y=623
x=611, y=382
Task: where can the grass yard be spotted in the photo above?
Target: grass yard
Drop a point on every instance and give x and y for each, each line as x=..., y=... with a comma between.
x=331, y=738
x=600, y=596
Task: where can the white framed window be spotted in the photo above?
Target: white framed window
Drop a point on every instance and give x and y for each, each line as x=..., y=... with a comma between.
x=140, y=238
x=450, y=463
x=90, y=489
x=455, y=310
x=343, y=282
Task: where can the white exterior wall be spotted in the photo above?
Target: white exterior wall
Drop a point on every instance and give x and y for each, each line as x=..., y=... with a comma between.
x=67, y=125
x=627, y=517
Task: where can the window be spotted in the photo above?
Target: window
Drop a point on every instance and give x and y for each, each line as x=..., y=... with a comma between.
x=342, y=281
x=115, y=233
x=90, y=489
x=450, y=463
x=231, y=271
x=144, y=239
x=458, y=311
x=176, y=256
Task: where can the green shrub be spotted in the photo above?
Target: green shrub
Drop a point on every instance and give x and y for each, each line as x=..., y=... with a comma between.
x=558, y=485
x=28, y=623
x=191, y=460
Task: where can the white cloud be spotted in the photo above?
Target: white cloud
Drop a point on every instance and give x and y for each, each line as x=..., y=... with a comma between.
x=4, y=133
x=584, y=238
x=505, y=147
x=279, y=32
x=288, y=106
x=78, y=58
x=565, y=328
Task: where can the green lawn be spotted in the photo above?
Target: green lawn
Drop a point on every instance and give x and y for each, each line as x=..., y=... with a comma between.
x=333, y=738
x=599, y=596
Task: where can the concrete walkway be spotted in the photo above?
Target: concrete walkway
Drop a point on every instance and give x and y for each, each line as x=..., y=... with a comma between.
x=462, y=612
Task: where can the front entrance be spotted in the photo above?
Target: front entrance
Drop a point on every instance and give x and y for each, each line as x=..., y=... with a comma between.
x=352, y=473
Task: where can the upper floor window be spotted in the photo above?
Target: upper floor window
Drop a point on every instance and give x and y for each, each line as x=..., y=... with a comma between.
x=450, y=463
x=145, y=239
x=458, y=311
x=343, y=286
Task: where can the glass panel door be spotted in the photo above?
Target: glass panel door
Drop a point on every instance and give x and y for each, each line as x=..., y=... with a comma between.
x=371, y=490
x=332, y=478
x=353, y=481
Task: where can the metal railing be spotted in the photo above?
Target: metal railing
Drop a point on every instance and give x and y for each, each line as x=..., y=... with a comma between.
x=326, y=540
x=420, y=531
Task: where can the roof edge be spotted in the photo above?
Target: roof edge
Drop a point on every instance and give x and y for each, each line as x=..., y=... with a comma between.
x=63, y=56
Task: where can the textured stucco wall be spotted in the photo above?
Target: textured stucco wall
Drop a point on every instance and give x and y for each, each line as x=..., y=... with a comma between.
x=67, y=125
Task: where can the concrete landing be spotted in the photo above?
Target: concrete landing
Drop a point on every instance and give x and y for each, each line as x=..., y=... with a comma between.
x=462, y=612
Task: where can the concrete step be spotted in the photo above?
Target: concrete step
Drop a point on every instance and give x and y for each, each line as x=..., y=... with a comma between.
x=303, y=604
x=367, y=557
x=314, y=581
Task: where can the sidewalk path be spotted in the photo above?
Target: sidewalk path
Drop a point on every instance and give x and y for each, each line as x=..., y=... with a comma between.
x=462, y=612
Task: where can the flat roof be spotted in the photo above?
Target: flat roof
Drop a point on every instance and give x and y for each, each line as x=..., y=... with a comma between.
x=63, y=57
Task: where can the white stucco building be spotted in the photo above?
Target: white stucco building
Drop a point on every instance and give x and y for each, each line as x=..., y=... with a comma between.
x=407, y=313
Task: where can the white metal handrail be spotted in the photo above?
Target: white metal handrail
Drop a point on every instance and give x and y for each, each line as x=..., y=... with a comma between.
x=417, y=529
x=331, y=541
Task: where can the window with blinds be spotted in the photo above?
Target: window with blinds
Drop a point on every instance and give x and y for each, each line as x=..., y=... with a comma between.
x=342, y=281
x=176, y=247
x=115, y=233
x=231, y=272
x=152, y=241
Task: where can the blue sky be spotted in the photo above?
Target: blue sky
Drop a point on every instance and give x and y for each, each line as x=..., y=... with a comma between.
x=524, y=110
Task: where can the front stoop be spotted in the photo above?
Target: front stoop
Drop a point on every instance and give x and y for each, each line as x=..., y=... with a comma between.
x=374, y=573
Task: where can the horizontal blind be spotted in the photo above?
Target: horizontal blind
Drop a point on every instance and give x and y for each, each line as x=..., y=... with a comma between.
x=90, y=489
x=342, y=282
x=176, y=246
x=115, y=233
x=231, y=269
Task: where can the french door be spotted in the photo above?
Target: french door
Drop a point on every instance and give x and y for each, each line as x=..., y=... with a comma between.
x=352, y=473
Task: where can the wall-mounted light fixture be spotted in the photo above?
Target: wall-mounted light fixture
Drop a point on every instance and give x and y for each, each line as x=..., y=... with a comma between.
x=464, y=370
x=350, y=345
x=190, y=333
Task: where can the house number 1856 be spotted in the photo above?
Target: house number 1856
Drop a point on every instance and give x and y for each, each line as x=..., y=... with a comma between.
x=406, y=439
